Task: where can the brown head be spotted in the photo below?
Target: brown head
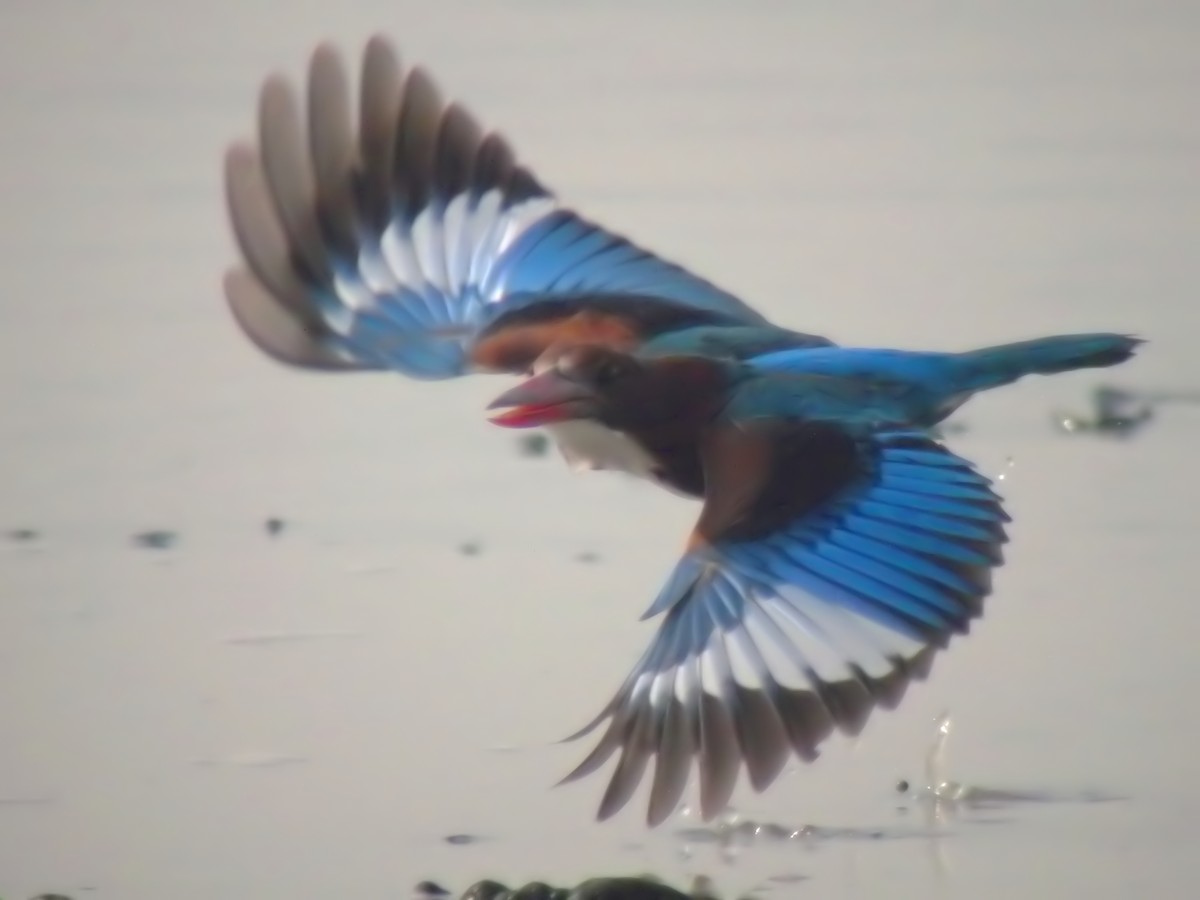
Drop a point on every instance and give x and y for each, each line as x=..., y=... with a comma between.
x=620, y=391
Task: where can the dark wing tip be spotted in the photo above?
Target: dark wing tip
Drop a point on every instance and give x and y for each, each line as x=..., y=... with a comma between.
x=379, y=46
x=274, y=330
x=758, y=728
x=672, y=762
x=762, y=736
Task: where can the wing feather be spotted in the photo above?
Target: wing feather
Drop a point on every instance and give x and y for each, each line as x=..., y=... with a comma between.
x=396, y=242
x=780, y=629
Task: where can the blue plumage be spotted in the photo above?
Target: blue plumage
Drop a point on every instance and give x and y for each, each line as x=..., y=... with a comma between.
x=925, y=387
x=892, y=578
x=728, y=341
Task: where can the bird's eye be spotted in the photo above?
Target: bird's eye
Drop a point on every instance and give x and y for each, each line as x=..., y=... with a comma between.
x=608, y=371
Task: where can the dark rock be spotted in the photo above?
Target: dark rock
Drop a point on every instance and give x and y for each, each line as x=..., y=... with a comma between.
x=485, y=890
x=274, y=526
x=624, y=889
x=538, y=890
x=902, y=786
x=23, y=535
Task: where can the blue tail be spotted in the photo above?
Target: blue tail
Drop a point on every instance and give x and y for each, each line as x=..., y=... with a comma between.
x=938, y=383
x=992, y=367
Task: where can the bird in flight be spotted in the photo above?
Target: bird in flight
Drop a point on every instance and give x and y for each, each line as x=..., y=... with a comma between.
x=839, y=544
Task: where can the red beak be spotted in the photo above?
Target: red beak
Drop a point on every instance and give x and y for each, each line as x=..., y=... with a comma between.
x=542, y=400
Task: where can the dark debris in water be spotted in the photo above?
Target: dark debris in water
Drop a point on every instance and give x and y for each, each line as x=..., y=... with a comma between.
x=27, y=800
x=1119, y=412
x=587, y=556
x=23, y=535
x=533, y=445
x=470, y=548
x=425, y=889
x=274, y=526
x=156, y=539
x=462, y=840
x=791, y=878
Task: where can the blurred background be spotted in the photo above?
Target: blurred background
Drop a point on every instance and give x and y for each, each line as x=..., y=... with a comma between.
x=196, y=703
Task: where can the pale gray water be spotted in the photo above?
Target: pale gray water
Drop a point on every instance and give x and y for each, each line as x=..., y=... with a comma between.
x=934, y=177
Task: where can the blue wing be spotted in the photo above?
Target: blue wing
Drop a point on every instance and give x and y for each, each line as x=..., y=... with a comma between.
x=396, y=247
x=779, y=633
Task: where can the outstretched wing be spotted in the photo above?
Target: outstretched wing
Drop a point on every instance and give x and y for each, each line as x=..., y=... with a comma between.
x=414, y=241
x=824, y=573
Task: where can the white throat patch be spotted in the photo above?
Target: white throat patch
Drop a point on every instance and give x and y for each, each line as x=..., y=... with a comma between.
x=589, y=445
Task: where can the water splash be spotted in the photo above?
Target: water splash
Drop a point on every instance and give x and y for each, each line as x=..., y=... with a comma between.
x=732, y=833
x=944, y=797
